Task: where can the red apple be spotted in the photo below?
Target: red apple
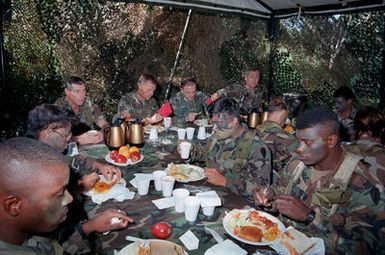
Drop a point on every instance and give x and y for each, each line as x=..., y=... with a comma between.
x=161, y=230
x=135, y=156
x=114, y=154
x=120, y=159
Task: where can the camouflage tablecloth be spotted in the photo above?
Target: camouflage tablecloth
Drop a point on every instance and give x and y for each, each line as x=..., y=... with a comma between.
x=145, y=213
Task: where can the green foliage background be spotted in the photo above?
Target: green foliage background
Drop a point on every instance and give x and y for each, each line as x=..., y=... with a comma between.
x=109, y=44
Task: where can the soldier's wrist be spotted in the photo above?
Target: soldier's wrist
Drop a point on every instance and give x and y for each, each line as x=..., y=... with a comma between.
x=79, y=228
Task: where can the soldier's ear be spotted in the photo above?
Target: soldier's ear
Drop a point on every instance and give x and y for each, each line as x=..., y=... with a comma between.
x=333, y=140
x=12, y=205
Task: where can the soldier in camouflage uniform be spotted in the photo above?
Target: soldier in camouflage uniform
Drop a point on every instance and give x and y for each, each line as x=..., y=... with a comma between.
x=281, y=143
x=328, y=192
x=188, y=102
x=343, y=98
x=88, y=113
x=369, y=124
x=140, y=104
x=235, y=157
x=52, y=125
x=37, y=200
x=250, y=95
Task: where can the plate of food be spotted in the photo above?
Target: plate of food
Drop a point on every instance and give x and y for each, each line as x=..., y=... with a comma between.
x=185, y=172
x=103, y=186
x=253, y=227
x=203, y=122
x=152, y=247
x=121, y=160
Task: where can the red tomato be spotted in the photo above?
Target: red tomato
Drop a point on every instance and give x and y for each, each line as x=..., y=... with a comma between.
x=135, y=156
x=161, y=230
x=114, y=154
x=120, y=159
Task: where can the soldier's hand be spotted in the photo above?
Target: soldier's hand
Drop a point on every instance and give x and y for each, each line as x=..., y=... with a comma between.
x=215, y=177
x=263, y=196
x=88, y=181
x=191, y=116
x=90, y=137
x=292, y=207
x=108, y=171
x=214, y=96
x=152, y=120
x=108, y=220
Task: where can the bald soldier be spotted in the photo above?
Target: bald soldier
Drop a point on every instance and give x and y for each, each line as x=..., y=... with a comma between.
x=34, y=199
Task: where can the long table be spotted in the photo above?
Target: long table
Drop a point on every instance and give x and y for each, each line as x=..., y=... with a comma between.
x=145, y=213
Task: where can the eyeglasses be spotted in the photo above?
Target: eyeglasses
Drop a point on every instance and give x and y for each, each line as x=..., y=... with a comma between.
x=64, y=137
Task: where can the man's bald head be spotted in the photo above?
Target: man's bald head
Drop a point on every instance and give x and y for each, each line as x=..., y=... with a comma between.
x=23, y=159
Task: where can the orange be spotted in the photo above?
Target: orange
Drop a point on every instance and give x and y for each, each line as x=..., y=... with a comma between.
x=134, y=149
x=125, y=151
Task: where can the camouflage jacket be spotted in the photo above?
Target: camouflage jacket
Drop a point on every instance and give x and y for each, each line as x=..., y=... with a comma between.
x=348, y=124
x=37, y=245
x=356, y=224
x=182, y=107
x=130, y=104
x=80, y=165
x=248, y=100
x=89, y=113
x=245, y=161
x=373, y=155
x=281, y=144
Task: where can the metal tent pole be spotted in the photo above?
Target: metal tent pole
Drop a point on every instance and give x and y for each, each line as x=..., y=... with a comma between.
x=178, y=54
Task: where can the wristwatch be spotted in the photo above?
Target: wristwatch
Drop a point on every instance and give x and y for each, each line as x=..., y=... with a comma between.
x=79, y=228
x=309, y=217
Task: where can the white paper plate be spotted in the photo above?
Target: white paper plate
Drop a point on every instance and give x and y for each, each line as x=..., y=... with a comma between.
x=129, y=161
x=230, y=230
x=200, y=172
x=147, y=129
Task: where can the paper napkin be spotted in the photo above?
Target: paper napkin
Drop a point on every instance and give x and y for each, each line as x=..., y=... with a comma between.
x=164, y=203
x=227, y=247
x=133, y=181
x=209, y=198
x=190, y=240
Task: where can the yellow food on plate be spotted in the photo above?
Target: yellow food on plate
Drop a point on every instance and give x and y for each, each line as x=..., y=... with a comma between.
x=179, y=176
x=271, y=233
x=125, y=151
x=101, y=186
x=134, y=149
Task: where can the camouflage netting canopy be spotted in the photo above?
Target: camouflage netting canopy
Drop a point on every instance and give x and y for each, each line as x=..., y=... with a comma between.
x=109, y=43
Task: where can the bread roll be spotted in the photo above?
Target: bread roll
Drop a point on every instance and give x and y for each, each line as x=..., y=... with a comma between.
x=250, y=233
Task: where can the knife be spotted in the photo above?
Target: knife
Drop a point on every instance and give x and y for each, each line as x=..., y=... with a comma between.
x=215, y=234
